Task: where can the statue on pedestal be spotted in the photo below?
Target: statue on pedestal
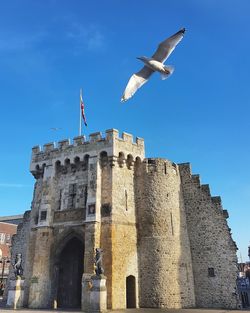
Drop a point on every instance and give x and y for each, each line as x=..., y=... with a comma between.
x=18, y=270
x=98, y=262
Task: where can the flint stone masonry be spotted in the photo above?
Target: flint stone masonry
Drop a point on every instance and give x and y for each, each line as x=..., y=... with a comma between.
x=166, y=241
x=215, y=249
x=163, y=238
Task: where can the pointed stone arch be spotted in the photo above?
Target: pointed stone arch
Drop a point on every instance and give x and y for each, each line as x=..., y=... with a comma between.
x=67, y=267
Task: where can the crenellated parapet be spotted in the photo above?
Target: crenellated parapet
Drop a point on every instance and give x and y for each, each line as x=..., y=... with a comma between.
x=66, y=152
x=191, y=181
x=196, y=180
x=157, y=165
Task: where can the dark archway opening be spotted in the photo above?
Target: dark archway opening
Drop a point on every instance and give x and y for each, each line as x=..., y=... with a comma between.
x=70, y=270
x=130, y=292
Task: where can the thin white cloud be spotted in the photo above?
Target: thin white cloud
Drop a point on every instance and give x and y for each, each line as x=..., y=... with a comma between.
x=90, y=37
x=11, y=185
x=96, y=41
x=82, y=37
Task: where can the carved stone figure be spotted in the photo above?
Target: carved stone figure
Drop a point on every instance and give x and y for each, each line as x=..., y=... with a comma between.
x=98, y=262
x=18, y=270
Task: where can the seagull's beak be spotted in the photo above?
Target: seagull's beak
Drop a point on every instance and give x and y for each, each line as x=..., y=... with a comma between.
x=139, y=58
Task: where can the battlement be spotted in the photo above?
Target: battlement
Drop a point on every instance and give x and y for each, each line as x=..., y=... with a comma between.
x=216, y=200
x=185, y=170
x=196, y=179
x=206, y=189
x=110, y=135
x=159, y=165
x=193, y=180
x=111, y=142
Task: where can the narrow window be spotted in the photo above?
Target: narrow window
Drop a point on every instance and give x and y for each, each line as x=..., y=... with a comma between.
x=126, y=200
x=172, y=226
x=60, y=200
x=165, y=168
x=85, y=195
x=211, y=272
x=72, y=196
x=91, y=209
x=186, y=267
x=43, y=216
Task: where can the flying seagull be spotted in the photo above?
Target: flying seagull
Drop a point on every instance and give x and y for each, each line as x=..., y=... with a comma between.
x=153, y=64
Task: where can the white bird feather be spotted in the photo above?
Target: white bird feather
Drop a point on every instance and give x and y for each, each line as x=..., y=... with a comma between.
x=155, y=63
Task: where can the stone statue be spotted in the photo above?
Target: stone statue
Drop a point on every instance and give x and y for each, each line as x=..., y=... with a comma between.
x=98, y=262
x=18, y=270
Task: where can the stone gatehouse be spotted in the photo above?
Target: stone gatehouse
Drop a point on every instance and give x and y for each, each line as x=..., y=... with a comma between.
x=165, y=239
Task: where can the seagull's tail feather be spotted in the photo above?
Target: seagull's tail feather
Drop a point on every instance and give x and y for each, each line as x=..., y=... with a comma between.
x=169, y=71
x=123, y=98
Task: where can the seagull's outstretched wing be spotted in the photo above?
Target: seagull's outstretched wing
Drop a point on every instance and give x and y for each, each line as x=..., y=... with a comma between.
x=166, y=47
x=136, y=81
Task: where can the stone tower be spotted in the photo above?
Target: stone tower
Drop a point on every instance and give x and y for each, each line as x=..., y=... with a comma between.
x=84, y=196
x=165, y=239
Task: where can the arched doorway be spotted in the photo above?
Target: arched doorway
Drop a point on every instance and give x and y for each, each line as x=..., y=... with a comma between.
x=69, y=274
x=130, y=292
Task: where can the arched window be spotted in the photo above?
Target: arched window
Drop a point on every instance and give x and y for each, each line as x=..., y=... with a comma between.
x=103, y=158
x=121, y=159
x=130, y=161
x=137, y=165
x=85, y=163
x=130, y=292
x=67, y=162
x=76, y=160
x=57, y=166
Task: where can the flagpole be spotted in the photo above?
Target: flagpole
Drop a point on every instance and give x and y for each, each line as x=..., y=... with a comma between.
x=80, y=121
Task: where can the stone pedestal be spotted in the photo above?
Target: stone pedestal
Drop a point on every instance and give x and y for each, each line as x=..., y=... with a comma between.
x=86, y=286
x=98, y=294
x=16, y=293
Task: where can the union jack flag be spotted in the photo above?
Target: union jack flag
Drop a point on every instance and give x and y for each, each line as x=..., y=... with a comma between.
x=82, y=110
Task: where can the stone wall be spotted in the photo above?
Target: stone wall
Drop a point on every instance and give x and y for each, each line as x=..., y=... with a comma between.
x=213, y=250
x=118, y=222
x=106, y=225
x=40, y=283
x=124, y=232
x=165, y=267
x=162, y=234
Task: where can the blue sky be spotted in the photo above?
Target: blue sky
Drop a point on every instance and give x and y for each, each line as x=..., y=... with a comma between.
x=49, y=49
